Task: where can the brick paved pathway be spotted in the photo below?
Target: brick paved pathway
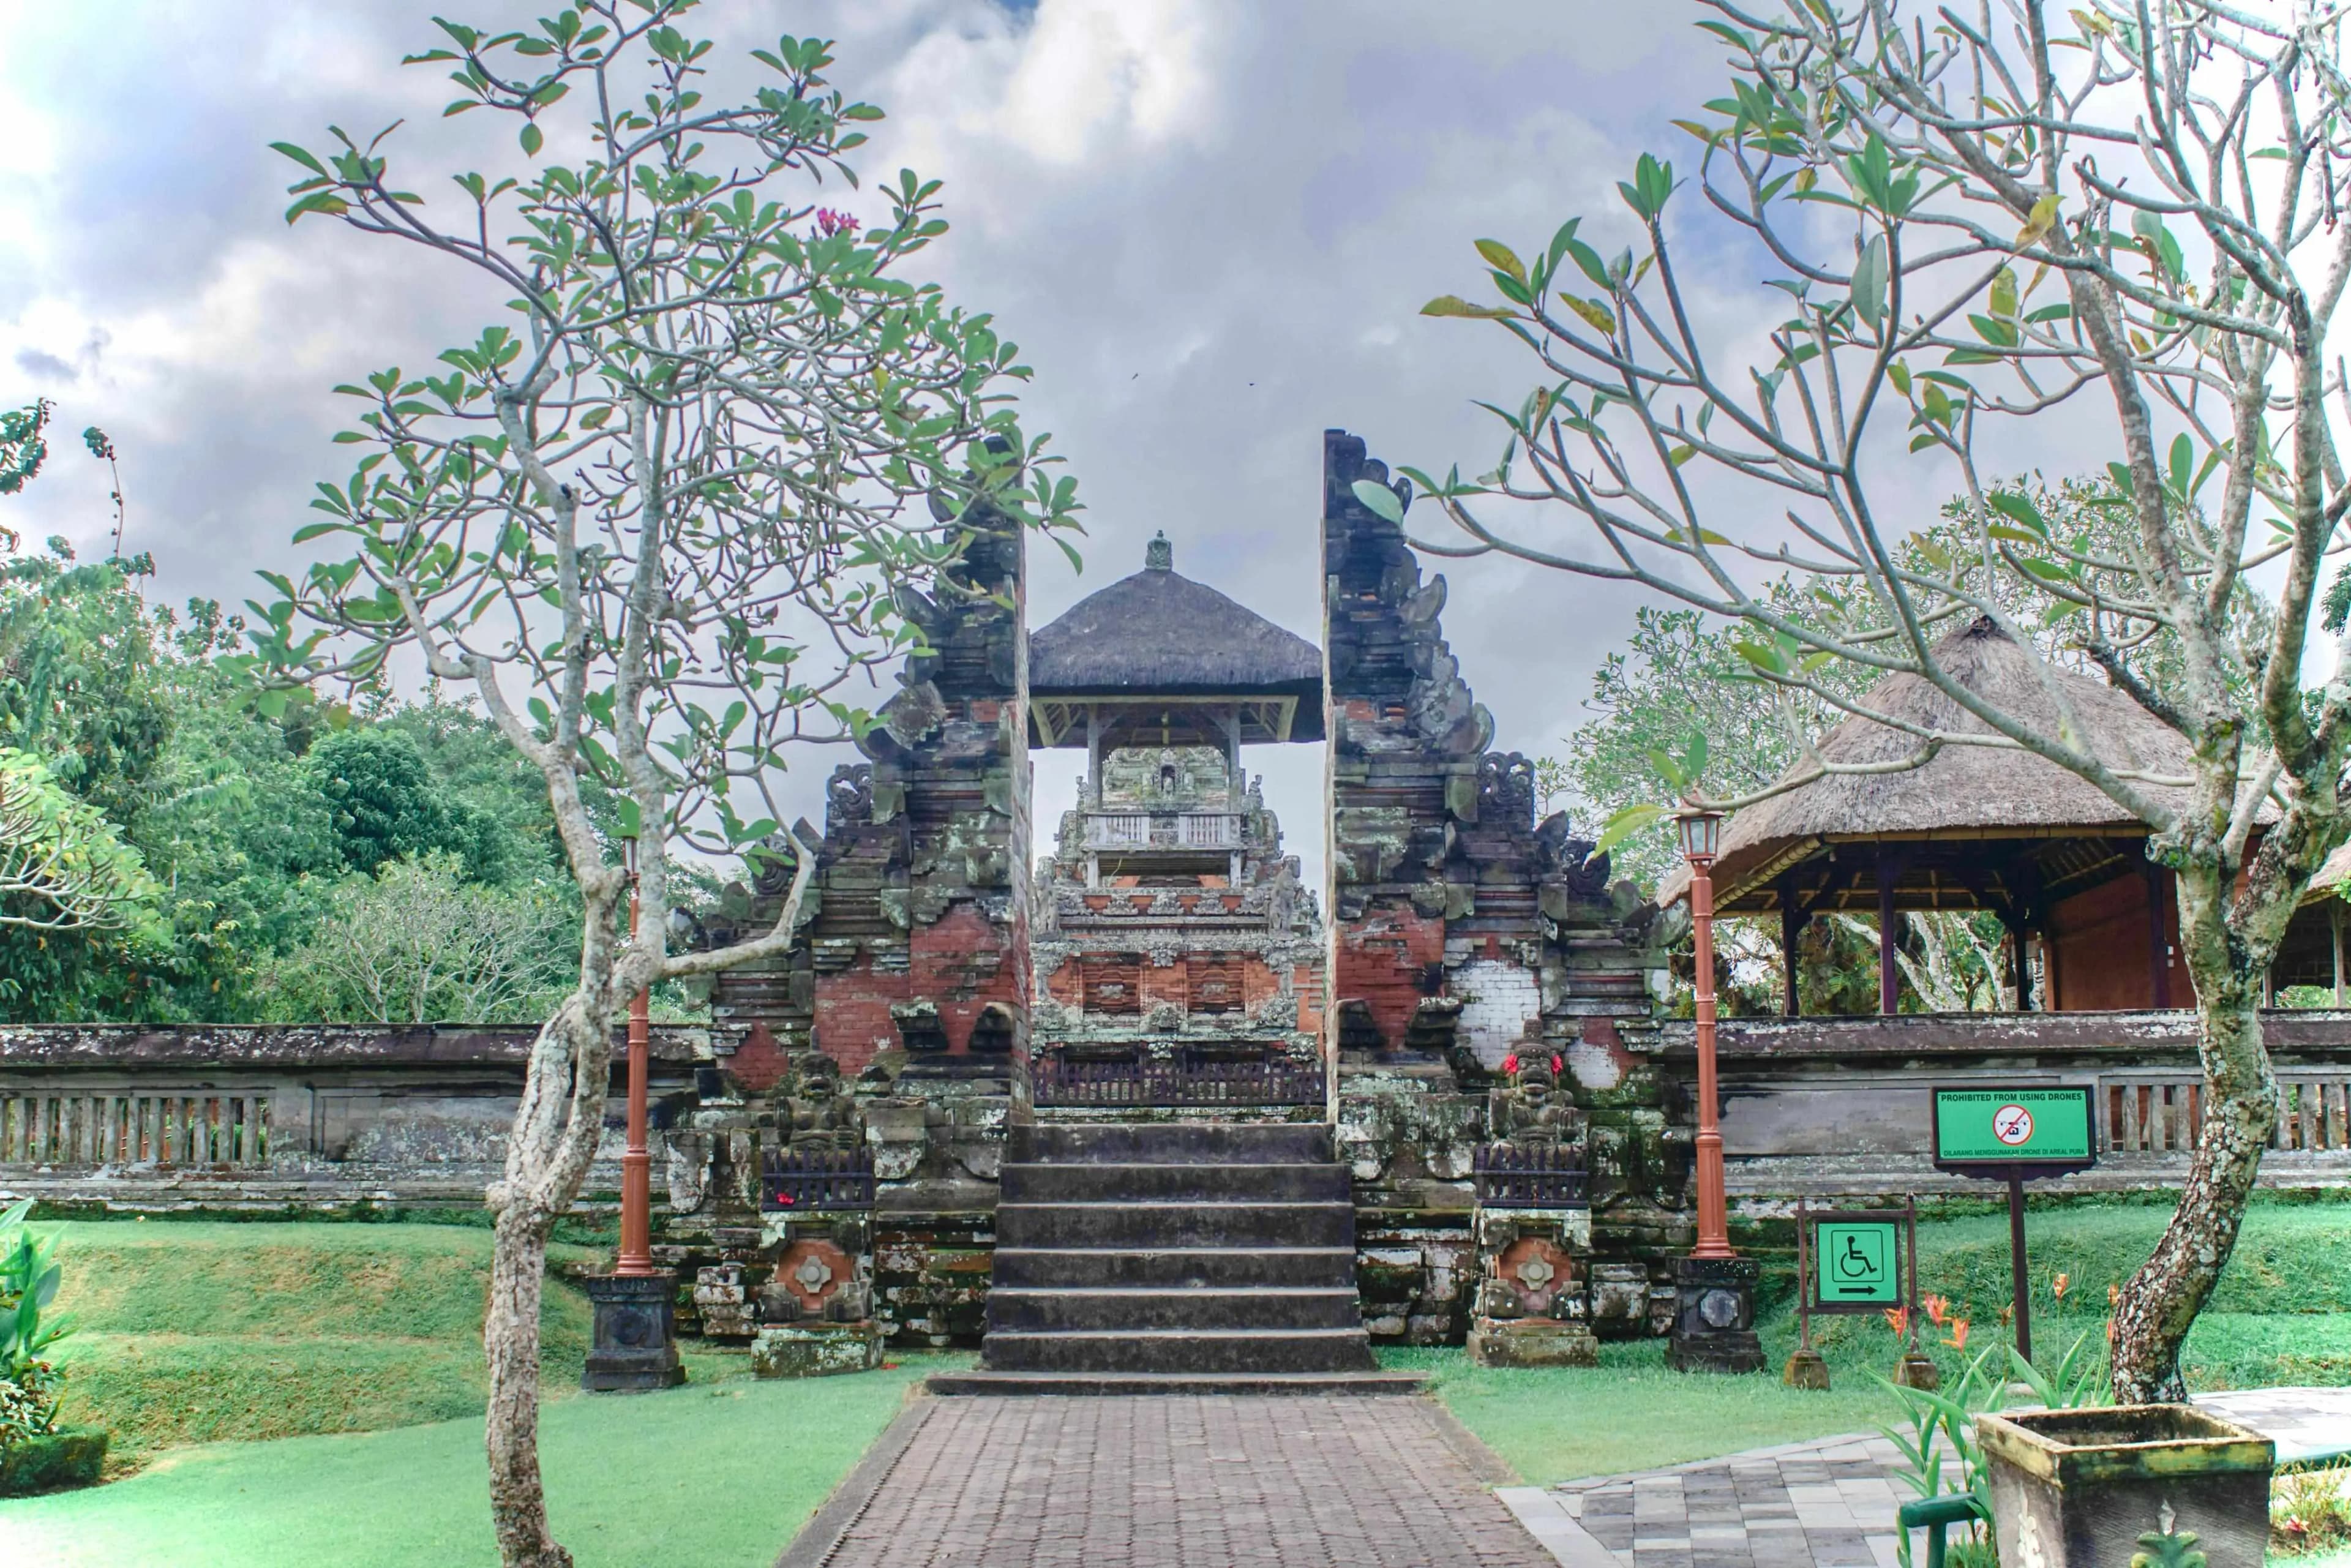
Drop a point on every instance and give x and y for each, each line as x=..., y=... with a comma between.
x=1177, y=1481
x=2306, y=1422
x=1809, y=1505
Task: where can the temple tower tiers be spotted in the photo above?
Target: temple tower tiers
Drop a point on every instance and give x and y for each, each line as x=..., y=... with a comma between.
x=1177, y=958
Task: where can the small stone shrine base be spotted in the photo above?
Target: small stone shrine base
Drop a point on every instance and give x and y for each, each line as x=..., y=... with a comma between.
x=633, y=1348
x=1531, y=1342
x=816, y=1350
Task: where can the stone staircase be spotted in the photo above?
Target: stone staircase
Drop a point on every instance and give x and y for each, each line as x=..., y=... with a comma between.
x=1182, y=1257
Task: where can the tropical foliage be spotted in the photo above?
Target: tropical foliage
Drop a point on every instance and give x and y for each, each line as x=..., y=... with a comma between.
x=29, y=1275
x=1957, y=227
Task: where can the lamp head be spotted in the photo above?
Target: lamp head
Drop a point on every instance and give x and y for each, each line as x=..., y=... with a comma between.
x=1701, y=829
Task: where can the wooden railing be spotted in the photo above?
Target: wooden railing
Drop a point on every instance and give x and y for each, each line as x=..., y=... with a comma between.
x=2163, y=1112
x=1510, y=1175
x=1055, y=1080
x=801, y=1180
x=190, y=1129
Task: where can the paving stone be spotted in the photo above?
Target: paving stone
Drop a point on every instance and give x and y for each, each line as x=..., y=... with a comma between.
x=1183, y=1481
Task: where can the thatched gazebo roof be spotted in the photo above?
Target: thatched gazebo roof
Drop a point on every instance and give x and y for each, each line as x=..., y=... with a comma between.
x=1160, y=635
x=1975, y=827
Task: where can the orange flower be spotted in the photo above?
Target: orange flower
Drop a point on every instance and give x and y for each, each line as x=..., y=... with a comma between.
x=2114, y=1294
x=2057, y=1286
x=1898, y=1320
x=1958, y=1340
x=1937, y=1308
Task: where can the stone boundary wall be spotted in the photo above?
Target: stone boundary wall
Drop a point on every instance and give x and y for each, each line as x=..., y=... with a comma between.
x=141, y=1118
x=1816, y=1107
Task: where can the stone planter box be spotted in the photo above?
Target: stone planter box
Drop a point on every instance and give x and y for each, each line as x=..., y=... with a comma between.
x=2077, y=1489
x=72, y=1457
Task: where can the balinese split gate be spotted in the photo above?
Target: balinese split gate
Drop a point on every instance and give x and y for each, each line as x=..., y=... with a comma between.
x=1121, y=1101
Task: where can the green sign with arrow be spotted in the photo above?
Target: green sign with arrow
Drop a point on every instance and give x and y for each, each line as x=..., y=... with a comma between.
x=1859, y=1263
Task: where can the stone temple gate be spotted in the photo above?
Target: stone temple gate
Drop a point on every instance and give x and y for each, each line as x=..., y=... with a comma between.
x=1121, y=1098
x=1142, y=1105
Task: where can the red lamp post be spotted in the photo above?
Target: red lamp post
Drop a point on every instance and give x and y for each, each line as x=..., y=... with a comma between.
x=634, y=1346
x=1714, y=1288
x=636, y=1259
x=1701, y=839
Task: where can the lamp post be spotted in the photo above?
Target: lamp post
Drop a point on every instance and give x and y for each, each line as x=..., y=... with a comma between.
x=1714, y=1288
x=1701, y=837
x=633, y=1347
x=636, y=1259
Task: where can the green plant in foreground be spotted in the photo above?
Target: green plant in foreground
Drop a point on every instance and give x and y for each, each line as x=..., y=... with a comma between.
x=29, y=1283
x=1939, y=1428
x=2310, y=1511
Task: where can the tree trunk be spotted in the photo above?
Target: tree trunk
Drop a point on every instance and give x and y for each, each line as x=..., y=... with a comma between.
x=2156, y=1308
x=510, y=1343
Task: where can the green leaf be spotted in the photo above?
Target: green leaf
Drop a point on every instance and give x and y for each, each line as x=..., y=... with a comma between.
x=1869, y=280
x=2020, y=507
x=301, y=157
x=1624, y=825
x=2004, y=293
x=1502, y=258
x=1596, y=313
x=1379, y=500
x=1454, y=305
x=532, y=139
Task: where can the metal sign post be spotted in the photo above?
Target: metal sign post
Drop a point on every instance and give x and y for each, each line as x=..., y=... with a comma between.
x=2015, y=1134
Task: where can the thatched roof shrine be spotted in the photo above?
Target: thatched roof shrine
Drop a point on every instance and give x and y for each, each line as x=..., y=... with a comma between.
x=1199, y=664
x=1977, y=827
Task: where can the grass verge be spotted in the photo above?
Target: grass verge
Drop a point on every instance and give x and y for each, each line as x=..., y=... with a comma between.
x=2281, y=1315
x=711, y=1475
x=198, y=1332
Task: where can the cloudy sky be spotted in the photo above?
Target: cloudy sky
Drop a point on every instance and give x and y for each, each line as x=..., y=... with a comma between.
x=1209, y=224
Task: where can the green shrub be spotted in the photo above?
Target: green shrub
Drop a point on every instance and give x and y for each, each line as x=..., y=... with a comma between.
x=2310, y=1511
x=29, y=1283
x=51, y=1461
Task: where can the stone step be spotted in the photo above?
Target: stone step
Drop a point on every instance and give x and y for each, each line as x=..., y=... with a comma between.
x=1180, y=1350
x=1120, y=1183
x=1030, y=1311
x=1107, y=1384
x=1173, y=1268
x=1129, y=1226
x=1168, y=1143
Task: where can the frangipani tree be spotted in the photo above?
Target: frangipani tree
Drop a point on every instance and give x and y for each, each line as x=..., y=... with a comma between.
x=658, y=523
x=63, y=867
x=2123, y=215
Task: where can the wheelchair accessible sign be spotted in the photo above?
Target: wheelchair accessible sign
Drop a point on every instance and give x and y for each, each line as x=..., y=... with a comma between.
x=1855, y=1259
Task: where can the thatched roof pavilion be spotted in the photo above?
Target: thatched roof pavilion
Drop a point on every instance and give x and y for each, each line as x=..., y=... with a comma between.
x=1975, y=828
x=1159, y=658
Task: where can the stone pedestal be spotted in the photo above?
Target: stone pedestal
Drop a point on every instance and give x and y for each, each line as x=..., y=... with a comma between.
x=816, y=1349
x=1714, y=1316
x=633, y=1348
x=1807, y=1368
x=1532, y=1308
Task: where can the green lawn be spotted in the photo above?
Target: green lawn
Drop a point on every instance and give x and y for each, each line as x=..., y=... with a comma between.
x=194, y=1332
x=2282, y=1315
x=706, y=1475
